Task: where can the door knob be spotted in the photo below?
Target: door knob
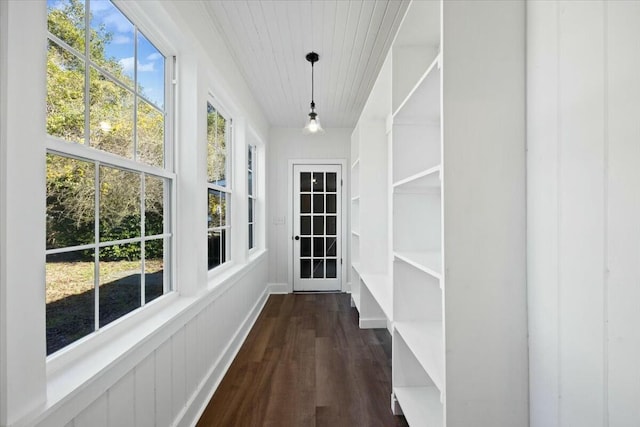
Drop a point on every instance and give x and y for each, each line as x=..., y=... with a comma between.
x=297, y=237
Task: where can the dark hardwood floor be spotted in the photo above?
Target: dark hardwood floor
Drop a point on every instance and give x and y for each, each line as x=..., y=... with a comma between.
x=307, y=363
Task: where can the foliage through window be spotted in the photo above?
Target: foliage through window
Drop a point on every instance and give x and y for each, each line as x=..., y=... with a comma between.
x=218, y=186
x=251, y=190
x=108, y=188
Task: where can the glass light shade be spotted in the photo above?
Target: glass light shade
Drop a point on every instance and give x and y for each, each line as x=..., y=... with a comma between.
x=313, y=126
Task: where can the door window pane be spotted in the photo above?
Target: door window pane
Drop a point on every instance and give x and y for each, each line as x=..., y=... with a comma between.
x=305, y=203
x=305, y=247
x=305, y=225
x=318, y=225
x=331, y=225
x=331, y=203
x=318, y=246
x=332, y=269
x=331, y=182
x=331, y=246
x=318, y=268
x=318, y=203
x=305, y=181
x=305, y=268
x=318, y=182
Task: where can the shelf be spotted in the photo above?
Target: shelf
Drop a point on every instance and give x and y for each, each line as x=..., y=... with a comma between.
x=429, y=262
x=428, y=179
x=421, y=405
x=425, y=339
x=381, y=288
x=423, y=100
x=355, y=163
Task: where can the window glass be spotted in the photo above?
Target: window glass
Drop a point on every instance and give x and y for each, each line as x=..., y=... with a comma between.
x=112, y=41
x=150, y=72
x=150, y=126
x=218, y=192
x=251, y=191
x=110, y=116
x=70, y=202
x=65, y=94
x=216, y=147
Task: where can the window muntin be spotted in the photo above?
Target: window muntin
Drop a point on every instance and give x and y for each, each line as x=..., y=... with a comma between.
x=251, y=191
x=108, y=220
x=218, y=187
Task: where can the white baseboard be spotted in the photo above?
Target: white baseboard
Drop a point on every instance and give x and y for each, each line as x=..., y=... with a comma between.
x=347, y=287
x=373, y=323
x=196, y=406
x=279, y=288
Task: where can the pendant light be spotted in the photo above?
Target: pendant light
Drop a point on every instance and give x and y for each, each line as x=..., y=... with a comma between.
x=313, y=125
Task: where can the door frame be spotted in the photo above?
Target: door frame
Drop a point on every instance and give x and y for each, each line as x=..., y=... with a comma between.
x=344, y=214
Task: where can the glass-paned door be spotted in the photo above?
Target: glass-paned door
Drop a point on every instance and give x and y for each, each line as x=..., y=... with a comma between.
x=317, y=227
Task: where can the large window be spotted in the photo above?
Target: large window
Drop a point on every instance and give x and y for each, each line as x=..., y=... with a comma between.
x=218, y=186
x=251, y=190
x=108, y=170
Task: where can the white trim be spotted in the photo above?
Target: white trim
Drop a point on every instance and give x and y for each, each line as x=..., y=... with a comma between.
x=344, y=222
x=373, y=323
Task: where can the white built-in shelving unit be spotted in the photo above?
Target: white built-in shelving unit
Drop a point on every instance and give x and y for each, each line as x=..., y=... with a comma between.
x=372, y=284
x=416, y=157
x=442, y=115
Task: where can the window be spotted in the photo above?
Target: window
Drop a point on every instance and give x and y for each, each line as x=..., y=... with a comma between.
x=108, y=170
x=218, y=186
x=251, y=190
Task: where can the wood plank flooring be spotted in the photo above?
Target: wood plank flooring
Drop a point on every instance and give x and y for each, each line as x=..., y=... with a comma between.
x=307, y=363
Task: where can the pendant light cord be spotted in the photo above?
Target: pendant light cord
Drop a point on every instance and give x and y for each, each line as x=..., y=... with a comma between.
x=312, y=103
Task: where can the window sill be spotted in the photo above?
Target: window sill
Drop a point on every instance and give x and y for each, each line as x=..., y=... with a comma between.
x=80, y=373
x=218, y=279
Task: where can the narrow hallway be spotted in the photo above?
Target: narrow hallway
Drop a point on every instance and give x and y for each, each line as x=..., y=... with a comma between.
x=307, y=363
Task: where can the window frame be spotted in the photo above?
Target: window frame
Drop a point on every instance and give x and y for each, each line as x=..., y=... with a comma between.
x=227, y=189
x=84, y=151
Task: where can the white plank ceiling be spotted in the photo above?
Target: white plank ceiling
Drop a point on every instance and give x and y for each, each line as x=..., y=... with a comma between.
x=269, y=40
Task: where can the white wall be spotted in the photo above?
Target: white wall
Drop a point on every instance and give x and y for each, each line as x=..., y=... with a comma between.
x=584, y=212
x=286, y=144
x=160, y=365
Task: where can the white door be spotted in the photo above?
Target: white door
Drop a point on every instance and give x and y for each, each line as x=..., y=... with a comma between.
x=317, y=227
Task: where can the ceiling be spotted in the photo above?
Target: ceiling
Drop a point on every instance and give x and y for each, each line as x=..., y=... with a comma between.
x=269, y=41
